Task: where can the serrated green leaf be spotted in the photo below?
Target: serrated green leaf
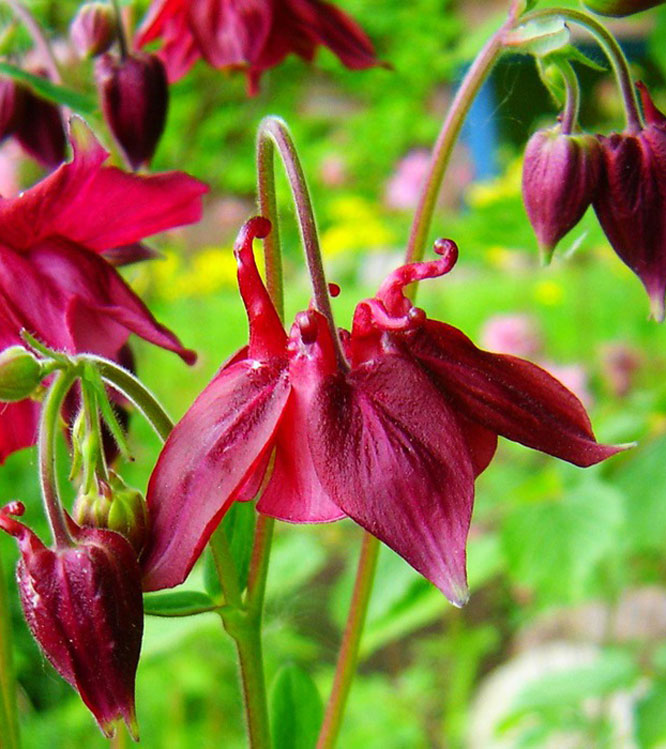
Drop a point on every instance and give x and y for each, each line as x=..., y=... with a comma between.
x=296, y=709
x=177, y=603
x=52, y=91
x=555, y=545
x=538, y=37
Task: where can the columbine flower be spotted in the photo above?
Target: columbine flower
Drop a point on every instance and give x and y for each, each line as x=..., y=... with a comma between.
x=620, y=7
x=631, y=200
x=253, y=36
x=83, y=606
x=58, y=241
x=394, y=442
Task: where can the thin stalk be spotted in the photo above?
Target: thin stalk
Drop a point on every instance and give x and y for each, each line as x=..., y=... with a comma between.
x=275, y=130
x=612, y=50
x=135, y=391
x=225, y=567
x=572, y=103
x=443, y=148
x=97, y=467
x=46, y=443
x=9, y=724
x=120, y=29
x=351, y=640
x=38, y=37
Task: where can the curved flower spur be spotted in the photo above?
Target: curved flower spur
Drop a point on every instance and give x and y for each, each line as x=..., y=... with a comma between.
x=394, y=441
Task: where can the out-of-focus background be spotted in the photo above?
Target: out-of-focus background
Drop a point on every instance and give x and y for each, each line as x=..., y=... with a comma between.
x=563, y=642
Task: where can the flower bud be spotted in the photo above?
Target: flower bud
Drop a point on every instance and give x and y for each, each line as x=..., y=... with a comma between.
x=93, y=29
x=116, y=507
x=134, y=97
x=40, y=129
x=620, y=7
x=83, y=606
x=560, y=177
x=20, y=374
x=11, y=105
x=631, y=200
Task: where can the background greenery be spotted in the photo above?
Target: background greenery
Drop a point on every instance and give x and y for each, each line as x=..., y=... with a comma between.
x=563, y=638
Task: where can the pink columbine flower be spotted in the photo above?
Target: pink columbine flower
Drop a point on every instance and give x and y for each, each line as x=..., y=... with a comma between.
x=83, y=606
x=59, y=242
x=254, y=35
x=394, y=441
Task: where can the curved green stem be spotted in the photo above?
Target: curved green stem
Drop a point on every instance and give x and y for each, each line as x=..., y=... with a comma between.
x=273, y=132
x=613, y=51
x=572, y=103
x=471, y=83
x=135, y=391
x=120, y=29
x=9, y=723
x=351, y=640
x=48, y=430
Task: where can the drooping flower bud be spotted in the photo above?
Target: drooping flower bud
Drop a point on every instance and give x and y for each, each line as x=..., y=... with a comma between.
x=40, y=129
x=560, y=177
x=93, y=29
x=620, y=7
x=83, y=606
x=631, y=200
x=116, y=507
x=134, y=97
x=11, y=105
x=20, y=374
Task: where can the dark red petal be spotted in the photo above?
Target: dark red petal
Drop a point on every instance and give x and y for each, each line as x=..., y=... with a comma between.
x=40, y=130
x=232, y=32
x=508, y=395
x=209, y=455
x=18, y=426
x=97, y=301
x=390, y=453
x=159, y=13
x=97, y=206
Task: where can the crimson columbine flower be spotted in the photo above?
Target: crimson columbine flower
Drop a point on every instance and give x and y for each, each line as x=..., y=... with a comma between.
x=394, y=442
x=58, y=241
x=631, y=200
x=560, y=178
x=253, y=36
x=620, y=7
x=134, y=95
x=83, y=606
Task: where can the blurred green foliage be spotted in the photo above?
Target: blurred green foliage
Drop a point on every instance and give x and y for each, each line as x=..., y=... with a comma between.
x=556, y=553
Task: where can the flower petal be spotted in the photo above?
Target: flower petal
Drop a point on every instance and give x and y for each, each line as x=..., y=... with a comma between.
x=390, y=453
x=209, y=455
x=508, y=395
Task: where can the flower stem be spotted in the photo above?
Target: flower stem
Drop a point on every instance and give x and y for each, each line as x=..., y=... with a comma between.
x=120, y=29
x=48, y=430
x=38, y=37
x=9, y=725
x=468, y=89
x=134, y=390
x=572, y=103
x=351, y=640
x=613, y=51
x=273, y=130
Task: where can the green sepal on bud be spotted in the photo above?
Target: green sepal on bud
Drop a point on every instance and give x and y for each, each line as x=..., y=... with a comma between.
x=620, y=7
x=116, y=507
x=20, y=374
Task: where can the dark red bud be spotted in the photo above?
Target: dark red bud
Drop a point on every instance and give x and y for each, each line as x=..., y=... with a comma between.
x=84, y=607
x=40, y=129
x=134, y=96
x=560, y=178
x=11, y=105
x=93, y=29
x=620, y=7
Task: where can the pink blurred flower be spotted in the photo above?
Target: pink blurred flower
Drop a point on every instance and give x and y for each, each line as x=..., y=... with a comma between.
x=512, y=334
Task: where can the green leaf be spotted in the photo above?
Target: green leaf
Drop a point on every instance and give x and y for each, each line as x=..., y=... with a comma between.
x=650, y=718
x=177, y=603
x=554, y=546
x=569, y=53
x=52, y=91
x=538, y=38
x=296, y=709
x=238, y=525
